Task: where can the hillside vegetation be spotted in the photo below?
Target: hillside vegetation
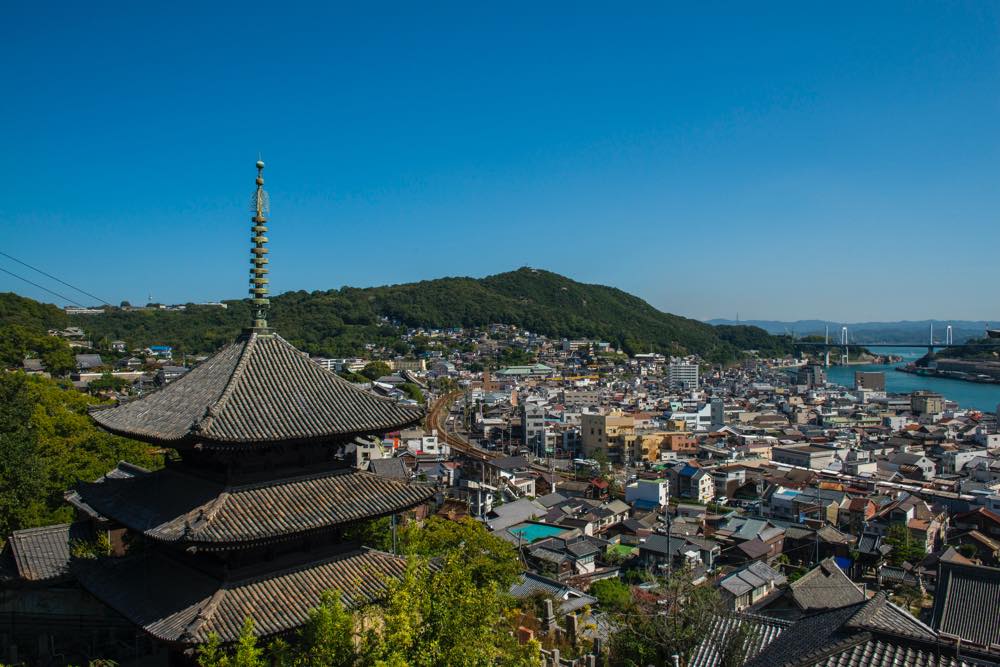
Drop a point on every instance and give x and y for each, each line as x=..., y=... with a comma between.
x=340, y=322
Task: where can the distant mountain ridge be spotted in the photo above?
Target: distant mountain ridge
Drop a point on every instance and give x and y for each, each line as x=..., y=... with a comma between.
x=903, y=331
x=341, y=322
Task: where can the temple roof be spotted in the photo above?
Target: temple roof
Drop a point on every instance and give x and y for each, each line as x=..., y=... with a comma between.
x=259, y=389
x=173, y=506
x=176, y=603
x=43, y=554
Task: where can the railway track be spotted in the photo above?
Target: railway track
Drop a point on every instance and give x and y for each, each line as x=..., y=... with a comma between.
x=437, y=419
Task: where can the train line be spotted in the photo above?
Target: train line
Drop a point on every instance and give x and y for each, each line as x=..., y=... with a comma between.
x=437, y=419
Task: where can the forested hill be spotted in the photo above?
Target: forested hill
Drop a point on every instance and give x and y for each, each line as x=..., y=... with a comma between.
x=340, y=322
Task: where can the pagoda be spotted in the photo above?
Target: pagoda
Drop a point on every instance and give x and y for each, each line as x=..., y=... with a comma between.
x=251, y=518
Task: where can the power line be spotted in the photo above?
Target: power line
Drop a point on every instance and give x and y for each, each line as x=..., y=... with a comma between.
x=64, y=298
x=49, y=275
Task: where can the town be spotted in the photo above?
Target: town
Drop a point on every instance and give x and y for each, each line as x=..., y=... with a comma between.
x=787, y=494
x=562, y=335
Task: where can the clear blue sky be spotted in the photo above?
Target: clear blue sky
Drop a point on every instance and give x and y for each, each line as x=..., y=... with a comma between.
x=793, y=160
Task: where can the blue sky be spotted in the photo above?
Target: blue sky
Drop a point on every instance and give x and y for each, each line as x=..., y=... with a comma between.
x=796, y=160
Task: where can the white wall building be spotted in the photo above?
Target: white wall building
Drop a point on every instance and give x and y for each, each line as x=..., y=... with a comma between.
x=682, y=374
x=648, y=493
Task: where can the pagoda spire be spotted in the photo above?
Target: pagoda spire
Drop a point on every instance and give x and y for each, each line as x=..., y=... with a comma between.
x=258, y=253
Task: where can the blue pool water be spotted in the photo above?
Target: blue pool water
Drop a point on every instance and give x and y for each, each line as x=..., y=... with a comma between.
x=532, y=532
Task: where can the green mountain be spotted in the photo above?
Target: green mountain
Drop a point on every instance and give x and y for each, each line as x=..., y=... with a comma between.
x=340, y=322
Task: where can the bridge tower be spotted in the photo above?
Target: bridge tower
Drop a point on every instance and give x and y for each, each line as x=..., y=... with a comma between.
x=845, y=357
x=827, y=348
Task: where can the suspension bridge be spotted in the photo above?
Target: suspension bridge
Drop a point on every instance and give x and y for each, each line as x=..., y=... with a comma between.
x=844, y=344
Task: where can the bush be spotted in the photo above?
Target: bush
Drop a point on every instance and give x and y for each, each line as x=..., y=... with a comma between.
x=613, y=594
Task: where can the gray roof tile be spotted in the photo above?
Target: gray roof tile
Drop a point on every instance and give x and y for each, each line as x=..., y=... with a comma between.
x=259, y=389
x=967, y=602
x=175, y=603
x=172, y=506
x=43, y=554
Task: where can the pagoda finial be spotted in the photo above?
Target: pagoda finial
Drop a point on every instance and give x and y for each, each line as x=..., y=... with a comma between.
x=258, y=257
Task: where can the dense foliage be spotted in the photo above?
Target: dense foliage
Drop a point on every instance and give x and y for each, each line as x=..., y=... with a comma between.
x=47, y=444
x=452, y=610
x=905, y=548
x=613, y=594
x=15, y=309
x=650, y=634
x=340, y=322
x=19, y=342
x=967, y=352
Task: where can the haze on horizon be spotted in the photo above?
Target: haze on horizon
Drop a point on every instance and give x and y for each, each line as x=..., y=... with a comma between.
x=786, y=163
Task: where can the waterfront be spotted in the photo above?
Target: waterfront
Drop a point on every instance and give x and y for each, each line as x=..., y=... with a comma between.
x=967, y=394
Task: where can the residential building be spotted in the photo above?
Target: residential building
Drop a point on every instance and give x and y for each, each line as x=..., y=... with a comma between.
x=533, y=427
x=682, y=374
x=648, y=494
x=811, y=375
x=750, y=585
x=874, y=381
x=926, y=403
x=804, y=456
x=613, y=433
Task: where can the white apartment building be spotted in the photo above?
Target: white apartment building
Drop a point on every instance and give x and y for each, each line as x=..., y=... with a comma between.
x=682, y=374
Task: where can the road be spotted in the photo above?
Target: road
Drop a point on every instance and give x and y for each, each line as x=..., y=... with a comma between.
x=437, y=418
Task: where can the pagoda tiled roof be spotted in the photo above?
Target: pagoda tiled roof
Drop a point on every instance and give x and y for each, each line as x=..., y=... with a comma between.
x=259, y=389
x=178, y=604
x=171, y=505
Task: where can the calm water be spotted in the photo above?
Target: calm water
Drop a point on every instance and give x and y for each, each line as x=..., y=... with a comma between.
x=967, y=394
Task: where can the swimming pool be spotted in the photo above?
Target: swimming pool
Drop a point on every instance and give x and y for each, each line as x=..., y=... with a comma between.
x=532, y=532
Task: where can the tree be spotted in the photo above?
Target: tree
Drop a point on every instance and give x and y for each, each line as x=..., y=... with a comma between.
x=328, y=637
x=107, y=382
x=442, y=615
x=905, y=549
x=48, y=443
x=603, y=463
x=412, y=391
x=450, y=607
x=18, y=342
x=490, y=559
x=246, y=653
x=613, y=594
x=373, y=370
x=646, y=636
x=21, y=469
x=734, y=645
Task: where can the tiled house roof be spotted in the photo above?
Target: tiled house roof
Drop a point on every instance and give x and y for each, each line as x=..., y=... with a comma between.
x=173, y=506
x=711, y=651
x=874, y=633
x=825, y=587
x=967, y=602
x=259, y=389
x=43, y=554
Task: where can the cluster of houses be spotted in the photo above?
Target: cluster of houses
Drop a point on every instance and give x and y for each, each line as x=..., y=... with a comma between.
x=793, y=497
